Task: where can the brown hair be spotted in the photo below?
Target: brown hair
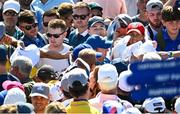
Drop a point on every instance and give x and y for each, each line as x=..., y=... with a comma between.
x=65, y=9
x=57, y=23
x=89, y=56
x=170, y=13
x=82, y=5
x=51, y=13
x=26, y=16
x=55, y=107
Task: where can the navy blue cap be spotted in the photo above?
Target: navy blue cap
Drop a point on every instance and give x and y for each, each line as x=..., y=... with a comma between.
x=94, y=5
x=96, y=41
x=78, y=48
x=94, y=20
x=3, y=53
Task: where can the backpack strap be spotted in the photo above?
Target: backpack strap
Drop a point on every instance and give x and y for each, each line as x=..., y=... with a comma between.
x=150, y=32
x=160, y=41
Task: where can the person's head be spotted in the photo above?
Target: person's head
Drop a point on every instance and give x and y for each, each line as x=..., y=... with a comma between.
x=154, y=105
x=153, y=9
x=65, y=11
x=137, y=32
x=27, y=23
x=97, y=26
x=48, y=16
x=171, y=19
x=177, y=105
x=11, y=8
x=121, y=23
x=107, y=79
x=78, y=83
x=3, y=58
x=93, y=85
x=40, y=97
x=102, y=45
x=25, y=2
x=81, y=12
x=15, y=95
x=141, y=4
x=45, y=74
x=55, y=107
x=89, y=56
x=21, y=67
x=96, y=9
x=56, y=32
x=10, y=108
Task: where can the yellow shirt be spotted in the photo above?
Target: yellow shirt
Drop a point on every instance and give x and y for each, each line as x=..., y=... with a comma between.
x=81, y=107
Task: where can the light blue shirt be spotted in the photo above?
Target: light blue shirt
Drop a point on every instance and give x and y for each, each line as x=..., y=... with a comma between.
x=50, y=4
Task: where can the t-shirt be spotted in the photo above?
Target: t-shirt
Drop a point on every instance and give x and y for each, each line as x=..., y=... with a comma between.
x=58, y=65
x=81, y=107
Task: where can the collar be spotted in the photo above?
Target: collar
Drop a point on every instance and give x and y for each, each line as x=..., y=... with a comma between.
x=84, y=33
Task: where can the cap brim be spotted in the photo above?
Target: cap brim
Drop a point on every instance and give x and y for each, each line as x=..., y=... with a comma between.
x=38, y=94
x=107, y=44
x=134, y=30
x=97, y=22
x=10, y=9
x=98, y=54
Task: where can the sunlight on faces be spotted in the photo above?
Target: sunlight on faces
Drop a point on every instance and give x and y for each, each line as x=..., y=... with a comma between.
x=172, y=26
x=10, y=18
x=39, y=103
x=154, y=18
x=56, y=42
x=98, y=29
x=30, y=30
x=46, y=20
x=80, y=23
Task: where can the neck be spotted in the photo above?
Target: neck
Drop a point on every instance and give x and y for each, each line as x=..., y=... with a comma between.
x=156, y=28
x=83, y=97
x=81, y=30
x=142, y=16
x=58, y=48
x=24, y=7
x=10, y=30
x=44, y=1
x=172, y=35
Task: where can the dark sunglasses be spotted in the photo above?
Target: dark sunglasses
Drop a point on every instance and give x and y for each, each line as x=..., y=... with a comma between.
x=49, y=35
x=29, y=27
x=10, y=13
x=45, y=24
x=82, y=17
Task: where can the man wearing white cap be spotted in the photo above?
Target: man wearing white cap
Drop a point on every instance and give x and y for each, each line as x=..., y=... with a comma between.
x=11, y=8
x=107, y=80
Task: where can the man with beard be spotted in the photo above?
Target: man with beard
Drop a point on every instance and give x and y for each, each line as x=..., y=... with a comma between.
x=153, y=9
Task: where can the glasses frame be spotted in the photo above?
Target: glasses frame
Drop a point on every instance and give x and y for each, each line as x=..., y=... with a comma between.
x=81, y=17
x=29, y=27
x=49, y=35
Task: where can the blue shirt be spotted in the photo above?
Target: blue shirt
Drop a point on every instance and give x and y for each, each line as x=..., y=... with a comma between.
x=39, y=41
x=170, y=45
x=177, y=4
x=2, y=96
x=50, y=4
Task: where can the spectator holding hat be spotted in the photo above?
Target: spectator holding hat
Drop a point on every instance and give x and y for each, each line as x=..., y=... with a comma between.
x=11, y=9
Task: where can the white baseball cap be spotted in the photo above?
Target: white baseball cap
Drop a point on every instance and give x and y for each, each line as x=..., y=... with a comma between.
x=107, y=77
x=11, y=5
x=156, y=104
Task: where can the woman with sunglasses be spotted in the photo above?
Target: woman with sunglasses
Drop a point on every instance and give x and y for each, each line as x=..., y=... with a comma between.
x=27, y=23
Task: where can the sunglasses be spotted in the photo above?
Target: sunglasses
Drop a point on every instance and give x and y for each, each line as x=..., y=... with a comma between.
x=45, y=24
x=29, y=27
x=82, y=17
x=10, y=13
x=49, y=35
